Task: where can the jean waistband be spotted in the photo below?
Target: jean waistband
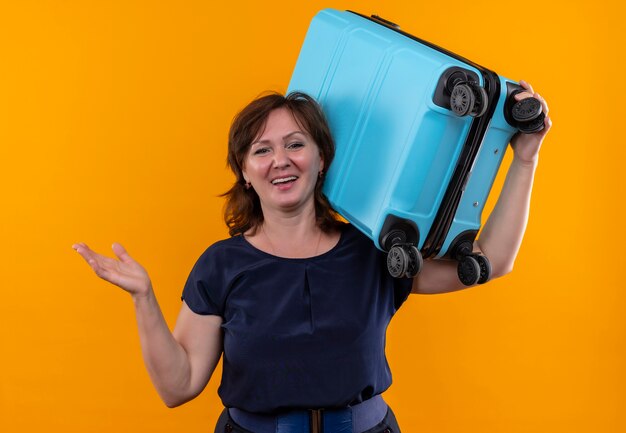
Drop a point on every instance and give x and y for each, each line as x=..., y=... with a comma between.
x=352, y=419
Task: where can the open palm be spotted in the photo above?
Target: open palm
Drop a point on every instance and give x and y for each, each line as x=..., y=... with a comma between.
x=124, y=272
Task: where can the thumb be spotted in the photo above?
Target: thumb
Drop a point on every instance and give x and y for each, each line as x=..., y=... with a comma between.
x=121, y=253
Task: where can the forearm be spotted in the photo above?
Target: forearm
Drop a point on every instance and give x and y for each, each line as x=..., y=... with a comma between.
x=437, y=276
x=502, y=234
x=165, y=359
x=500, y=238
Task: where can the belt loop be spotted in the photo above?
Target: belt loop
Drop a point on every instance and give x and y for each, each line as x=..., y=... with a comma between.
x=316, y=420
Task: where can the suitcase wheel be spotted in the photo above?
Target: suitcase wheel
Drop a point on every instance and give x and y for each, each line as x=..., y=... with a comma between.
x=485, y=268
x=397, y=261
x=532, y=126
x=526, y=110
x=480, y=106
x=468, y=270
x=528, y=115
x=415, y=261
x=462, y=99
x=404, y=261
x=468, y=99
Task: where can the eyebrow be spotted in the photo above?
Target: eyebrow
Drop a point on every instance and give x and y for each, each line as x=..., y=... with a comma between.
x=284, y=137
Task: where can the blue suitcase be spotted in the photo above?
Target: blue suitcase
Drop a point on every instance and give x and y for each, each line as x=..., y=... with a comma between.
x=420, y=133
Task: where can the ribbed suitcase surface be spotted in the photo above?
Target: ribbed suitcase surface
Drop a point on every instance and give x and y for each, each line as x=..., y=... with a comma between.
x=410, y=170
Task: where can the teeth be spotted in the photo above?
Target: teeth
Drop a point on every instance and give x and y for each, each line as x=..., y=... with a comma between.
x=283, y=180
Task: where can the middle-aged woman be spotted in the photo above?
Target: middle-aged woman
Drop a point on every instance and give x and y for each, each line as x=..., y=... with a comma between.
x=296, y=302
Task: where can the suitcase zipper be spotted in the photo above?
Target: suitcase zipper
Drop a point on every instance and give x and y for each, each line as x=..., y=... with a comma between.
x=450, y=203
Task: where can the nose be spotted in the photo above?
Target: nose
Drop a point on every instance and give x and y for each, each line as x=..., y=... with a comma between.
x=281, y=158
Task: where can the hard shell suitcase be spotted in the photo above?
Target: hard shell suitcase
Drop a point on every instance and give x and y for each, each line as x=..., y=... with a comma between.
x=420, y=133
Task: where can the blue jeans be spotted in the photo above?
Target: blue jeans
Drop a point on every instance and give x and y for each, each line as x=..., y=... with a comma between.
x=225, y=424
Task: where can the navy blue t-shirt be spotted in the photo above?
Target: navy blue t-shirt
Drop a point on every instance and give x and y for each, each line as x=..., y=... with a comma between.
x=299, y=333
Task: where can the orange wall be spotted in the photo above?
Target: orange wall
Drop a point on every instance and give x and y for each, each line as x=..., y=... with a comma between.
x=113, y=122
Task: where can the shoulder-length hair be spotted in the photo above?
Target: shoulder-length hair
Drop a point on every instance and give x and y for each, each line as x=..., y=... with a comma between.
x=242, y=211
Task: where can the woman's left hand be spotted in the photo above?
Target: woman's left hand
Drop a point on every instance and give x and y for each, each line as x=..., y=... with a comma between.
x=526, y=146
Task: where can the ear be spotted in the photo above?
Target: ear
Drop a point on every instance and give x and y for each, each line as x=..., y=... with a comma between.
x=243, y=173
x=321, y=162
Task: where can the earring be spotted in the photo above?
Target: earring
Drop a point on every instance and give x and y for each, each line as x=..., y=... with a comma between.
x=320, y=174
x=247, y=185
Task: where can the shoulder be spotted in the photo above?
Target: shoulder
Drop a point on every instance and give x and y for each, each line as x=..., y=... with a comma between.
x=228, y=255
x=235, y=245
x=223, y=246
x=351, y=235
x=209, y=279
x=353, y=247
x=220, y=249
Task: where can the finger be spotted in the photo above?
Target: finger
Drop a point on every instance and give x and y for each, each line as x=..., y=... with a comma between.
x=84, y=251
x=104, y=271
x=83, y=248
x=92, y=258
x=104, y=267
x=523, y=95
x=121, y=253
x=78, y=245
x=548, y=124
x=544, y=104
x=88, y=255
x=526, y=86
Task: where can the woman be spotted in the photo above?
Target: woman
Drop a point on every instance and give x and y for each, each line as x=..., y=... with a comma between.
x=297, y=302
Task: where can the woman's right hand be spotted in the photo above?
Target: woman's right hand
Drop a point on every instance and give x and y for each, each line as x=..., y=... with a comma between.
x=125, y=272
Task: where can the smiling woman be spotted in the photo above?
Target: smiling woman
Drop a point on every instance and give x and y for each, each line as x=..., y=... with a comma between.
x=270, y=127
x=297, y=302
x=283, y=165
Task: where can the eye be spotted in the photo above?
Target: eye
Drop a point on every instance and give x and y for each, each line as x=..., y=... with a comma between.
x=261, y=151
x=295, y=145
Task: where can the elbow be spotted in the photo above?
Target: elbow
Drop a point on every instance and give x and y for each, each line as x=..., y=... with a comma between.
x=173, y=401
x=171, y=404
x=502, y=269
x=176, y=392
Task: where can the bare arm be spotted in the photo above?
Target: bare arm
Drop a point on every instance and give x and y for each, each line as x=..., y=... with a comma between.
x=502, y=234
x=180, y=364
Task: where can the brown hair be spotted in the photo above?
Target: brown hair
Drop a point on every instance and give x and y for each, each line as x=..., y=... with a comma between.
x=242, y=210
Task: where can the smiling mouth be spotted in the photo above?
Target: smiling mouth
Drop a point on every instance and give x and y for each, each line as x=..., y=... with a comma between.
x=284, y=180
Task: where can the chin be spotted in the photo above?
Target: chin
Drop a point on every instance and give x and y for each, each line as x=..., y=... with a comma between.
x=290, y=204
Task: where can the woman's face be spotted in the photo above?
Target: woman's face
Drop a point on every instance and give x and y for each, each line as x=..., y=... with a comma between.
x=283, y=163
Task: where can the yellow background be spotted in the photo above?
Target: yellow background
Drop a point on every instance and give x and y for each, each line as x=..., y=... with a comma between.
x=113, y=123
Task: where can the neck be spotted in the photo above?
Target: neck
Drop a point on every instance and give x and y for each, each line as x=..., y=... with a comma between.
x=289, y=234
x=290, y=225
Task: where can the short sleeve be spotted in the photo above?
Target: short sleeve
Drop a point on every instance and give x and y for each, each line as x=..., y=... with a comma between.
x=204, y=291
x=401, y=291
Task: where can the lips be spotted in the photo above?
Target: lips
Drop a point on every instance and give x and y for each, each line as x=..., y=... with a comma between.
x=284, y=180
